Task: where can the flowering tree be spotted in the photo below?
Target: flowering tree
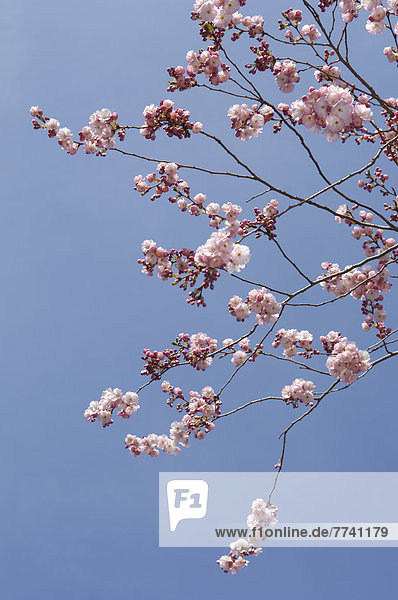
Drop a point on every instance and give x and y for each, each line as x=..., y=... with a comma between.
x=344, y=108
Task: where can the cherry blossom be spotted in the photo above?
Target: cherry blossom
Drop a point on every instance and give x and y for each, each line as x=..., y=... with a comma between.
x=207, y=62
x=258, y=301
x=248, y=122
x=220, y=252
x=111, y=399
x=295, y=342
x=286, y=75
x=236, y=559
x=299, y=391
x=175, y=121
x=262, y=517
x=311, y=32
x=346, y=362
x=98, y=136
x=332, y=110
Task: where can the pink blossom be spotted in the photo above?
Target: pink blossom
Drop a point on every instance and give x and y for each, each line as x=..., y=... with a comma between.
x=175, y=121
x=311, y=32
x=345, y=362
x=294, y=342
x=248, y=122
x=286, y=75
x=259, y=301
x=299, y=391
x=238, y=358
x=207, y=62
x=220, y=252
x=111, y=399
x=262, y=517
x=330, y=109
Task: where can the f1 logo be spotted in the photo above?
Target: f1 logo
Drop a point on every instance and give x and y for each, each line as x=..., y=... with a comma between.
x=187, y=499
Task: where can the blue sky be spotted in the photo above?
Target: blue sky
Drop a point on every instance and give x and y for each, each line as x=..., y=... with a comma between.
x=79, y=515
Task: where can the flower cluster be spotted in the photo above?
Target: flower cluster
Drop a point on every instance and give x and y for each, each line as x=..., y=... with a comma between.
x=221, y=253
x=231, y=221
x=393, y=209
x=151, y=444
x=222, y=15
x=192, y=423
x=292, y=16
x=311, y=32
x=375, y=23
x=239, y=357
x=206, y=403
x=237, y=557
x=286, y=75
x=48, y=123
x=158, y=362
x=65, y=140
x=169, y=179
x=262, y=517
x=98, y=135
x=188, y=268
x=324, y=4
x=111, y=399
x=347, y=9
x=346, y=361
x=270, y=210
x=216, y=18
x=368, y=282
x=263, y=304
x=175, y=394
x=265, y=221
x=374, y=242
x=299, y=391
x=207, y=62
x=159, y=257
x=263, y=224
x=391, y=121
x=378, y=12
x=391, y=54
x=292, y=340
x=96, y=138
x=330, y=73
x=196, y=349
x=219, y=12
x=175, y=121
x=248, y=122
x=371, y=282
x=201, y=409
x=264, y=58
x=331, y=109
x=51, y=125
x=379, y=180
x=254, y=25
